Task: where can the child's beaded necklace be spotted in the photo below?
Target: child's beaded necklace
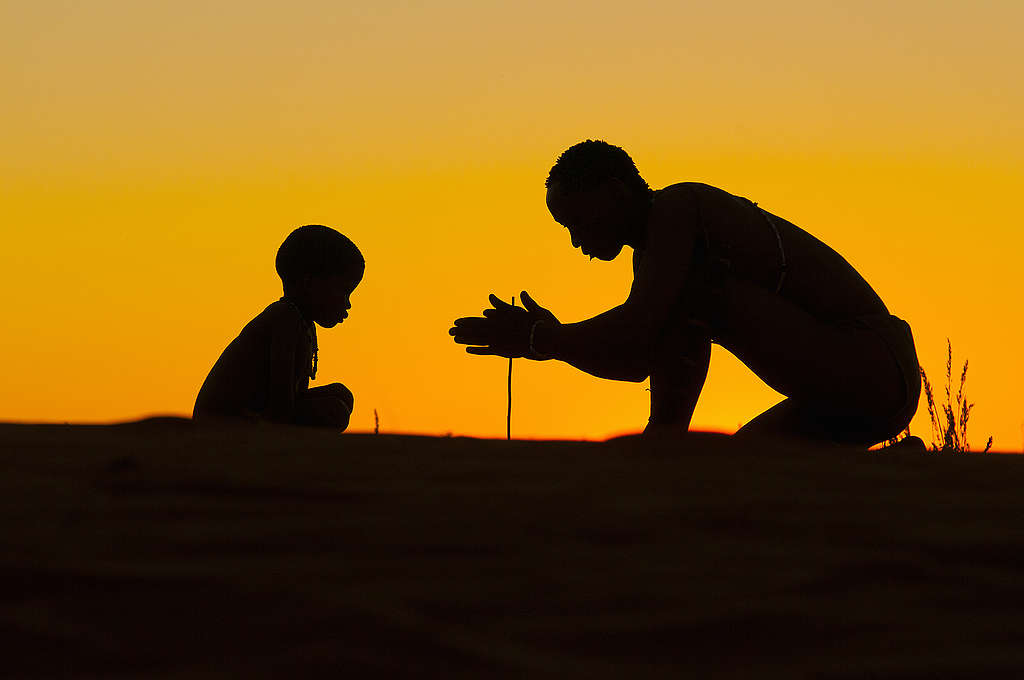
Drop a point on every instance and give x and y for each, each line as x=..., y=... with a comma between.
x=312, y=336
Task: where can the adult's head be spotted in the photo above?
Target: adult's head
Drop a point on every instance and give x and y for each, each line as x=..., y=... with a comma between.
x=596, y=192
x=319, y=268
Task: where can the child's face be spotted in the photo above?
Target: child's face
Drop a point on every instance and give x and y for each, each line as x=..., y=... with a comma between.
x=330, y=297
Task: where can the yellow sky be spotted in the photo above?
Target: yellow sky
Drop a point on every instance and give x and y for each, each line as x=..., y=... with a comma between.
x=155, y=154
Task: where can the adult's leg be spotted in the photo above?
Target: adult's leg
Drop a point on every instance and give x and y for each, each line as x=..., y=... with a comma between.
x=785, y=419
x=795, y=420
x=839, y=369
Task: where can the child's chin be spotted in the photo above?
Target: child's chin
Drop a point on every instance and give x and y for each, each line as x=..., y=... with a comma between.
x=327, y=324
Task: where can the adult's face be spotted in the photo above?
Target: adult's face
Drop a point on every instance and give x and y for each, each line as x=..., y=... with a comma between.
x=599, y=220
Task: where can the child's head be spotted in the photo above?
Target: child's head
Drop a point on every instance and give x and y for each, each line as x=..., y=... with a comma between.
x=319, y=269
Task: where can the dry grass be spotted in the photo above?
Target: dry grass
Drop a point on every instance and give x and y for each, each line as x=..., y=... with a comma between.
x=948, y=422
x=949, y=426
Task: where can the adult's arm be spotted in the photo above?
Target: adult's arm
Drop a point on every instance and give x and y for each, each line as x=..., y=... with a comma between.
x=617, y=344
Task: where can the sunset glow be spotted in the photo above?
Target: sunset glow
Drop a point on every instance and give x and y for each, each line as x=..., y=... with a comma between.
x=156, y=154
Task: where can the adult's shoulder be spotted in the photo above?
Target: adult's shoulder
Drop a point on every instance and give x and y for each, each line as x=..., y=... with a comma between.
x=685, y=186
x=683, y=192
x=678, y=204
x=674, y=221
x=680, y=195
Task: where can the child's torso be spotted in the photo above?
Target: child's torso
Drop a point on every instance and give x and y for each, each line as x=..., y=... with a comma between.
x=238, y=384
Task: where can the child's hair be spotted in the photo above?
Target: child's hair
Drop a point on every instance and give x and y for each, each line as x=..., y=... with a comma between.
x=316, y=250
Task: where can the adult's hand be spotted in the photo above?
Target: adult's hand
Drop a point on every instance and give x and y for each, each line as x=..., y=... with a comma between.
x=503, y=330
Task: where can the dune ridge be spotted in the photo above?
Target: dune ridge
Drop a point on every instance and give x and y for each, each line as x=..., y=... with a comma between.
x=165, y=549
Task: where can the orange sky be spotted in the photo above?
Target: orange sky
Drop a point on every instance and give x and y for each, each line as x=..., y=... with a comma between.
x=155, y=155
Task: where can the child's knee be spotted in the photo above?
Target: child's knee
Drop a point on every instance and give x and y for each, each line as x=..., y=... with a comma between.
x=330, y=412
x=326, y=406
x=337, y=414
x=338, y=406
x=332, y=391
x=341, y=392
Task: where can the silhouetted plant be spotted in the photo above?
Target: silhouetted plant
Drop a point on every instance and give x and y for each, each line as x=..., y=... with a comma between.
x=949, y=428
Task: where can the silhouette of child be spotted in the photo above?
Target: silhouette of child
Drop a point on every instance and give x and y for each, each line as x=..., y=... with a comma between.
x=709, y=266
x=264, y=373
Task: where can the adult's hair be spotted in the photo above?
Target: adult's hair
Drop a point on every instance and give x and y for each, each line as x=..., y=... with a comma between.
x=587, y=164
x=316, y=250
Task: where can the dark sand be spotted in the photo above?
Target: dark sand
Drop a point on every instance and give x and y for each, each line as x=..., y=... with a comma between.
x=164, y=550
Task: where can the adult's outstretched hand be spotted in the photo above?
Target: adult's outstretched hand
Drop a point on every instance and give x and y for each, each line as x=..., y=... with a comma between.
x=504, y=330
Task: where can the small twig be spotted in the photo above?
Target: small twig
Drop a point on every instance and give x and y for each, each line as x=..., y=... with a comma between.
x=508, y=416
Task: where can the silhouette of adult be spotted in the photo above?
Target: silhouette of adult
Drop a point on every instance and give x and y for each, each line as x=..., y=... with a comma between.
x=711, y=267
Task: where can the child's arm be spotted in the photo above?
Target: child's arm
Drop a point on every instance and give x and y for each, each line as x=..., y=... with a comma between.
x=285, y=332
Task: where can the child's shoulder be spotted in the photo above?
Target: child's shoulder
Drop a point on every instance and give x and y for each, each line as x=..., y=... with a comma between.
x=279, y=314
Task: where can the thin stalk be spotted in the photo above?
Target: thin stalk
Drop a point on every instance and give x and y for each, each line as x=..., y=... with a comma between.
x=508, y=416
